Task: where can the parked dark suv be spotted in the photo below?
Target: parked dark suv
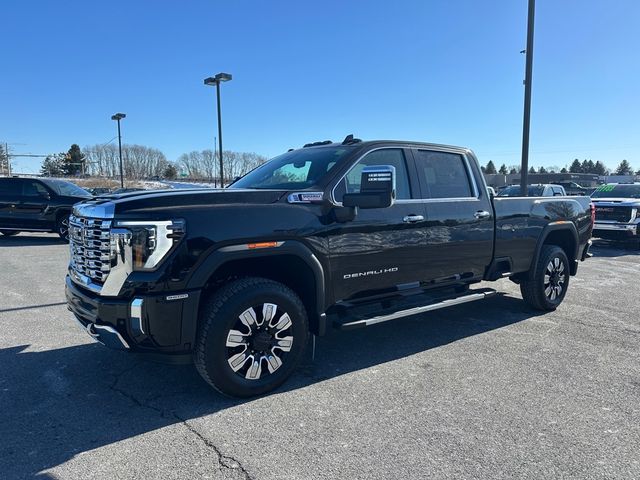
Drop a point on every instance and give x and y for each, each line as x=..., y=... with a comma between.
x=37, y=205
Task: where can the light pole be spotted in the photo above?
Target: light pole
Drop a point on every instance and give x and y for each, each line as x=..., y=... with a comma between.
x=211, y=81
x=524, y=168
x=117, y=117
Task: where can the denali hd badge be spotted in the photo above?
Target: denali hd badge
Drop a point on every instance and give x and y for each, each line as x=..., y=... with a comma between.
x=371, y=272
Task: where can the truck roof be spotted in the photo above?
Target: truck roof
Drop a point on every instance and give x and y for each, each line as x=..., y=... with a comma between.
x=360, y=144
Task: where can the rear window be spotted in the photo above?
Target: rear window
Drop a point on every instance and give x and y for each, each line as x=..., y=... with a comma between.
x=514, y=191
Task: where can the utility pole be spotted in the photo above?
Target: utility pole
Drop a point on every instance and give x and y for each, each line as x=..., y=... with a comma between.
x=117, y=117
x=524, y=168
x=211, y=81
x=6, y=154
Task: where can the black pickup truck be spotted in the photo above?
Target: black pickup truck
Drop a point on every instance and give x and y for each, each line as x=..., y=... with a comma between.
x=37, y=205
x=340, y=235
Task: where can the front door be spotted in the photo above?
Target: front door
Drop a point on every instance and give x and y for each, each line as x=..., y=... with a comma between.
x=34, y=201
x=460, y=224
x=381, y=248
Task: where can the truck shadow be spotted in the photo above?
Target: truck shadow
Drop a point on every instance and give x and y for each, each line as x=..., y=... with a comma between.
x=610, y=249
x=33, y=240
x=58, y=404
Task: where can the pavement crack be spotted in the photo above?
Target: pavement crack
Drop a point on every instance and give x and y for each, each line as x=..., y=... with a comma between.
x=226, y=462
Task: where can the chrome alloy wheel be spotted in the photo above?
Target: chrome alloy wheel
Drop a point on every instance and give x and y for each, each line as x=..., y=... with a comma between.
x=259, y=339
x=554, y=279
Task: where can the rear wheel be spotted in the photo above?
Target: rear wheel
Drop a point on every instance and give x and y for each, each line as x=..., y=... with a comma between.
x=9, y=233
x=253, y=332
x=548, y=285
x=62, y=227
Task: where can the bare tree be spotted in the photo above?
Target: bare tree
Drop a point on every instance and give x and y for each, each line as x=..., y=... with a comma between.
x=138, y=161
x=204, y=165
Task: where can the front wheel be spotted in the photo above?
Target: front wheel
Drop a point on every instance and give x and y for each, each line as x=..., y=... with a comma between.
x=252, y=334
x=549, y=282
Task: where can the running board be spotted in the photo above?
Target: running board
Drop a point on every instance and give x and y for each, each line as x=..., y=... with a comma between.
x=472, y=296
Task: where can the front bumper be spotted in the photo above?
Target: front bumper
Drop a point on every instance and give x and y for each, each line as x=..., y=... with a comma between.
x=616, y=230
x=151, y=323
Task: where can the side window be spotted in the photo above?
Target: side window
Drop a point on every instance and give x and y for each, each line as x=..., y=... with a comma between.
x=443, y=175
x=387, y=156
x=557, y=191
x=33, y=189
x=10, y=187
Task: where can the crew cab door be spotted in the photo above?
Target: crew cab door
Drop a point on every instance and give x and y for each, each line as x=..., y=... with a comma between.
x=460, y=224
x=10, y=190
x=30, y=211
x=382, y=247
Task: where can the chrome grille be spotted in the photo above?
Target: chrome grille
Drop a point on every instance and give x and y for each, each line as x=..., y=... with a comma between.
x=90, y=247
x=613, y=213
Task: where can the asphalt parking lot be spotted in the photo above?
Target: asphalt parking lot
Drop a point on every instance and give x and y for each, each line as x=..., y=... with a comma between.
x=485, y=390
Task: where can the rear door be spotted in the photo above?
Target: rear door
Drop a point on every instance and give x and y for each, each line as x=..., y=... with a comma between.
x=460, y=223
x=10, y=189
x=381, y=249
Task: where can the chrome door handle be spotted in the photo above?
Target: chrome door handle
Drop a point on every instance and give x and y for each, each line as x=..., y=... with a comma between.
x=412, y=218
x=482, y=214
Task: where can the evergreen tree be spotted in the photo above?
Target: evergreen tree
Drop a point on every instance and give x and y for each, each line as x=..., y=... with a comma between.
x=624, y=168
x=576, y=166
x=503, y=169
x=74, y=161
x=599, y=168
x=564, y=170
x=513, y=171
x=170, y=172
x=542, y=170
x=532, y=170
x=491, y=168
x=54, y=165
x=584, y=167
x=591, y=167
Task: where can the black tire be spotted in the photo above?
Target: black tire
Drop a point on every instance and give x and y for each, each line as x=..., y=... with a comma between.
x=218, y=351
x=62, y=227
x=9, y=233
x=550, y=280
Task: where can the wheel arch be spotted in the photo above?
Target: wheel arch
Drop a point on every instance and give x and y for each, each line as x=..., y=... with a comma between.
x=292, y=264
x=563, y=234
x=62, y=211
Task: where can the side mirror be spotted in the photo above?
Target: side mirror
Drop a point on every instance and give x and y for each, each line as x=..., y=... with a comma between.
x=46, y=195
x=377, y=188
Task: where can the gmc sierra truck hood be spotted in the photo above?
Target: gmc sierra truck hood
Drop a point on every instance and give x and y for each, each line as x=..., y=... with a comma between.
x=107, y=206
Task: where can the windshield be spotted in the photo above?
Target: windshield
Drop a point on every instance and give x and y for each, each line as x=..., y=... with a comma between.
x=295, y=170
x=617, y=191
x=514, y=191
x=67, y=189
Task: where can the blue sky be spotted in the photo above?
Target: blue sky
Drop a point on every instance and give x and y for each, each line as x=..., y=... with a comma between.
x=445, y=71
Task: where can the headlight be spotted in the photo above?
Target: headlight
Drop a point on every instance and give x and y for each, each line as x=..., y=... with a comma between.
x=150, y=241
